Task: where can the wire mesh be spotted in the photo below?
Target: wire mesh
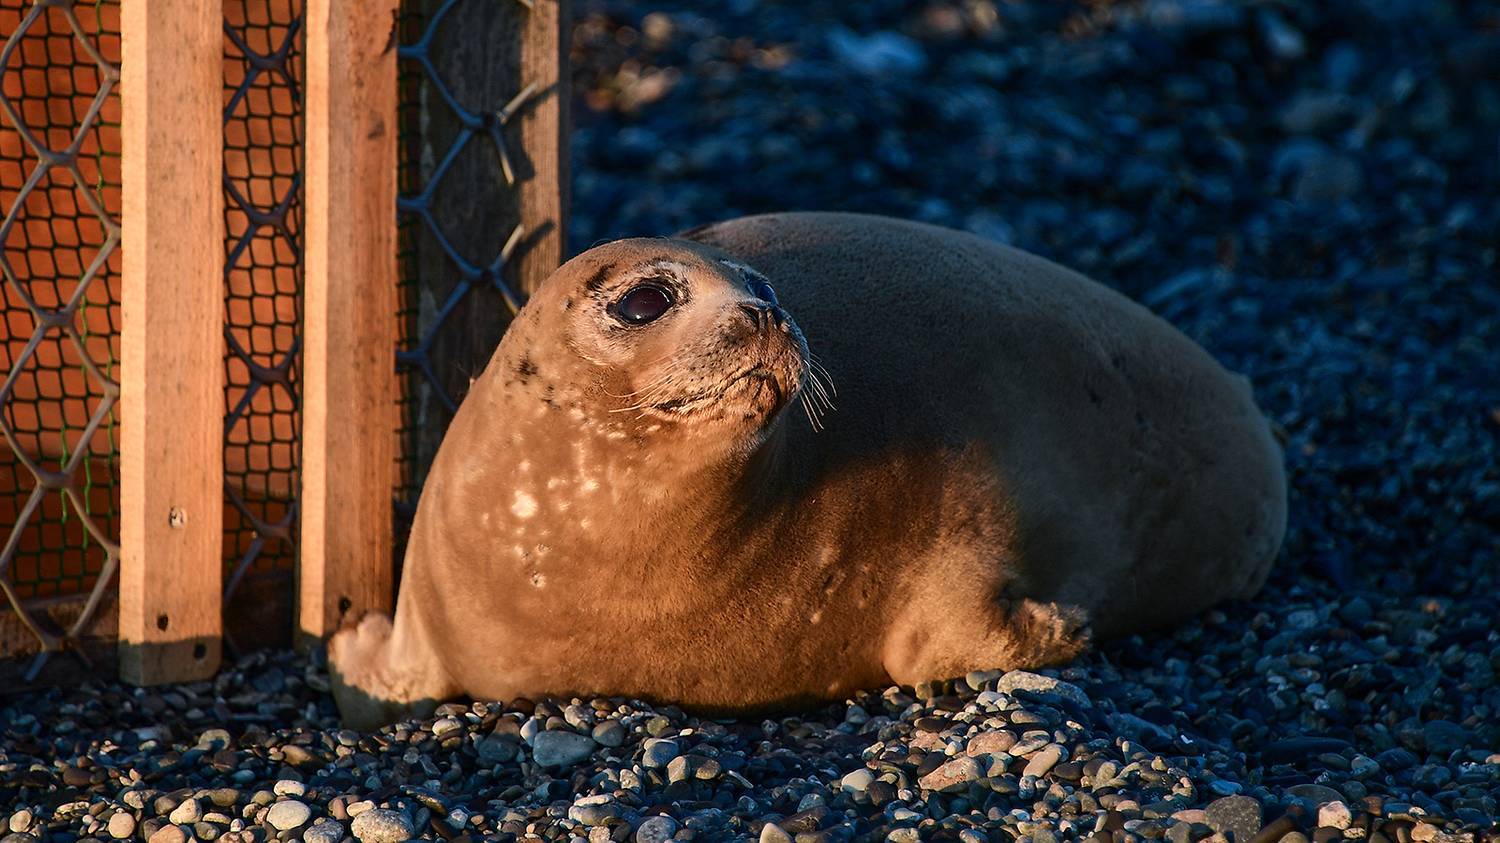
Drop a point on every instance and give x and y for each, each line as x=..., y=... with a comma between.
x=59, y=183
x=458, y=210
x=59, y=339
x=263, y=136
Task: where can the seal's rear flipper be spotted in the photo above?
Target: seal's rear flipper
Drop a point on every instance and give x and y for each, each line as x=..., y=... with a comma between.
x=1017, y=634
x=378, y=680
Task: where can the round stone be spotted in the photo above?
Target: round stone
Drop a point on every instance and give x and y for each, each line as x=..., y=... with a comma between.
x=20, y=821
x=1237, y=815
x=379, y=825
x=856, y=783
x=609, y=733
x=1335, y=815
x=497, y=749
x=296, y=755
x=773, y=833
x=289, y=787
x=324, y=831
x=560, y=748
x=121, y=825
x=213, y=740
x=1022, y=680
x=991, y=742
x=657, y=829
x=169, y=833
x=1042, y=763
x=287, y=815
x=595, y=814
x=953, y=776
x=1443, y=737
x=659, y=752
x=187, y=813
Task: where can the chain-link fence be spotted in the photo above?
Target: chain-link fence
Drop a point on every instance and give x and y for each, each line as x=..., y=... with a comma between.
x=60, y=190
x=461, y=89
x=263, y=136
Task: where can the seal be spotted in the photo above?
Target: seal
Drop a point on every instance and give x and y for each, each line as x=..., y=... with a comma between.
x=650, y=493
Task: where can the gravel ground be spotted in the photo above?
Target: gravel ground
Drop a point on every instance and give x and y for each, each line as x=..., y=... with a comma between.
x=1310, y=190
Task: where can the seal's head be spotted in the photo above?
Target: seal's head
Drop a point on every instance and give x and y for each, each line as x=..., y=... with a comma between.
x=675, y=339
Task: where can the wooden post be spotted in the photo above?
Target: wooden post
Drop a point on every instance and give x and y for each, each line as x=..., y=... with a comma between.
x=544, y=141
x=349, y=412
x=172, y=347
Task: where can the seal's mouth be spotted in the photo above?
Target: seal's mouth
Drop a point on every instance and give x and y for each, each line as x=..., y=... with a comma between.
x=758, y=379
x=745, y=373
x=766, y=376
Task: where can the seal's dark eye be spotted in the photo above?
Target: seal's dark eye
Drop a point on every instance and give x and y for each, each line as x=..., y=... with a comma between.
x=763, y=291
x=643, y=303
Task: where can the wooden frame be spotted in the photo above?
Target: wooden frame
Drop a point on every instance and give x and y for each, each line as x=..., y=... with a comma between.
x=172, y=366
x=544, y=135
x=167, y=624
x=350, y=415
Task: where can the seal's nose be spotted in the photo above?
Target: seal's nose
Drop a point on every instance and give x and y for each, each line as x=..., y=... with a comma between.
x=763, y=291
x=763, y=314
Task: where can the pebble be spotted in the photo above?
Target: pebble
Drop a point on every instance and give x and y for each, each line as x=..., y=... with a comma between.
x=658, y=752
x=288, y=814
x=1335, y=814
x=169, y=833
x=1021, y=680
x=657, y=829
x=1443, y=737
x=121, y=825
x=497, y=749
x=379, y=825
x=773, y=833
x=562, y=749
x=953, y=776
x=610, y=733
x=187, y=812
x=856, y=782
x=1044, y=760
x=324, y=831
x=1240, y=816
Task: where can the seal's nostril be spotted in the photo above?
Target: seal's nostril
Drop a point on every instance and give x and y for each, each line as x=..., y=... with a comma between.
x=760, y=315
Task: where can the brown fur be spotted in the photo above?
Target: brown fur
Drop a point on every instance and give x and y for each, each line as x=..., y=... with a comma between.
x=1018, y=454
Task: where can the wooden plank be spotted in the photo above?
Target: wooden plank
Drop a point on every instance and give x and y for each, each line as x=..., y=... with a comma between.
x=172, y=347
x=349, y=412
x=544, y=141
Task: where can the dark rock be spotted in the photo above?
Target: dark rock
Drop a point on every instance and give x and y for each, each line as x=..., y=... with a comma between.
x=1236, y=817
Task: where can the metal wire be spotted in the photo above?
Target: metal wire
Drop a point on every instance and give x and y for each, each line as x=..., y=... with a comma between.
x=263, y=135
x=429, y=304
x=59, y=341
x=59, y=185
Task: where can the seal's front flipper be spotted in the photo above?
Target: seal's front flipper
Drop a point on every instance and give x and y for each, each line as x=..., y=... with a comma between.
x=379, y=678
